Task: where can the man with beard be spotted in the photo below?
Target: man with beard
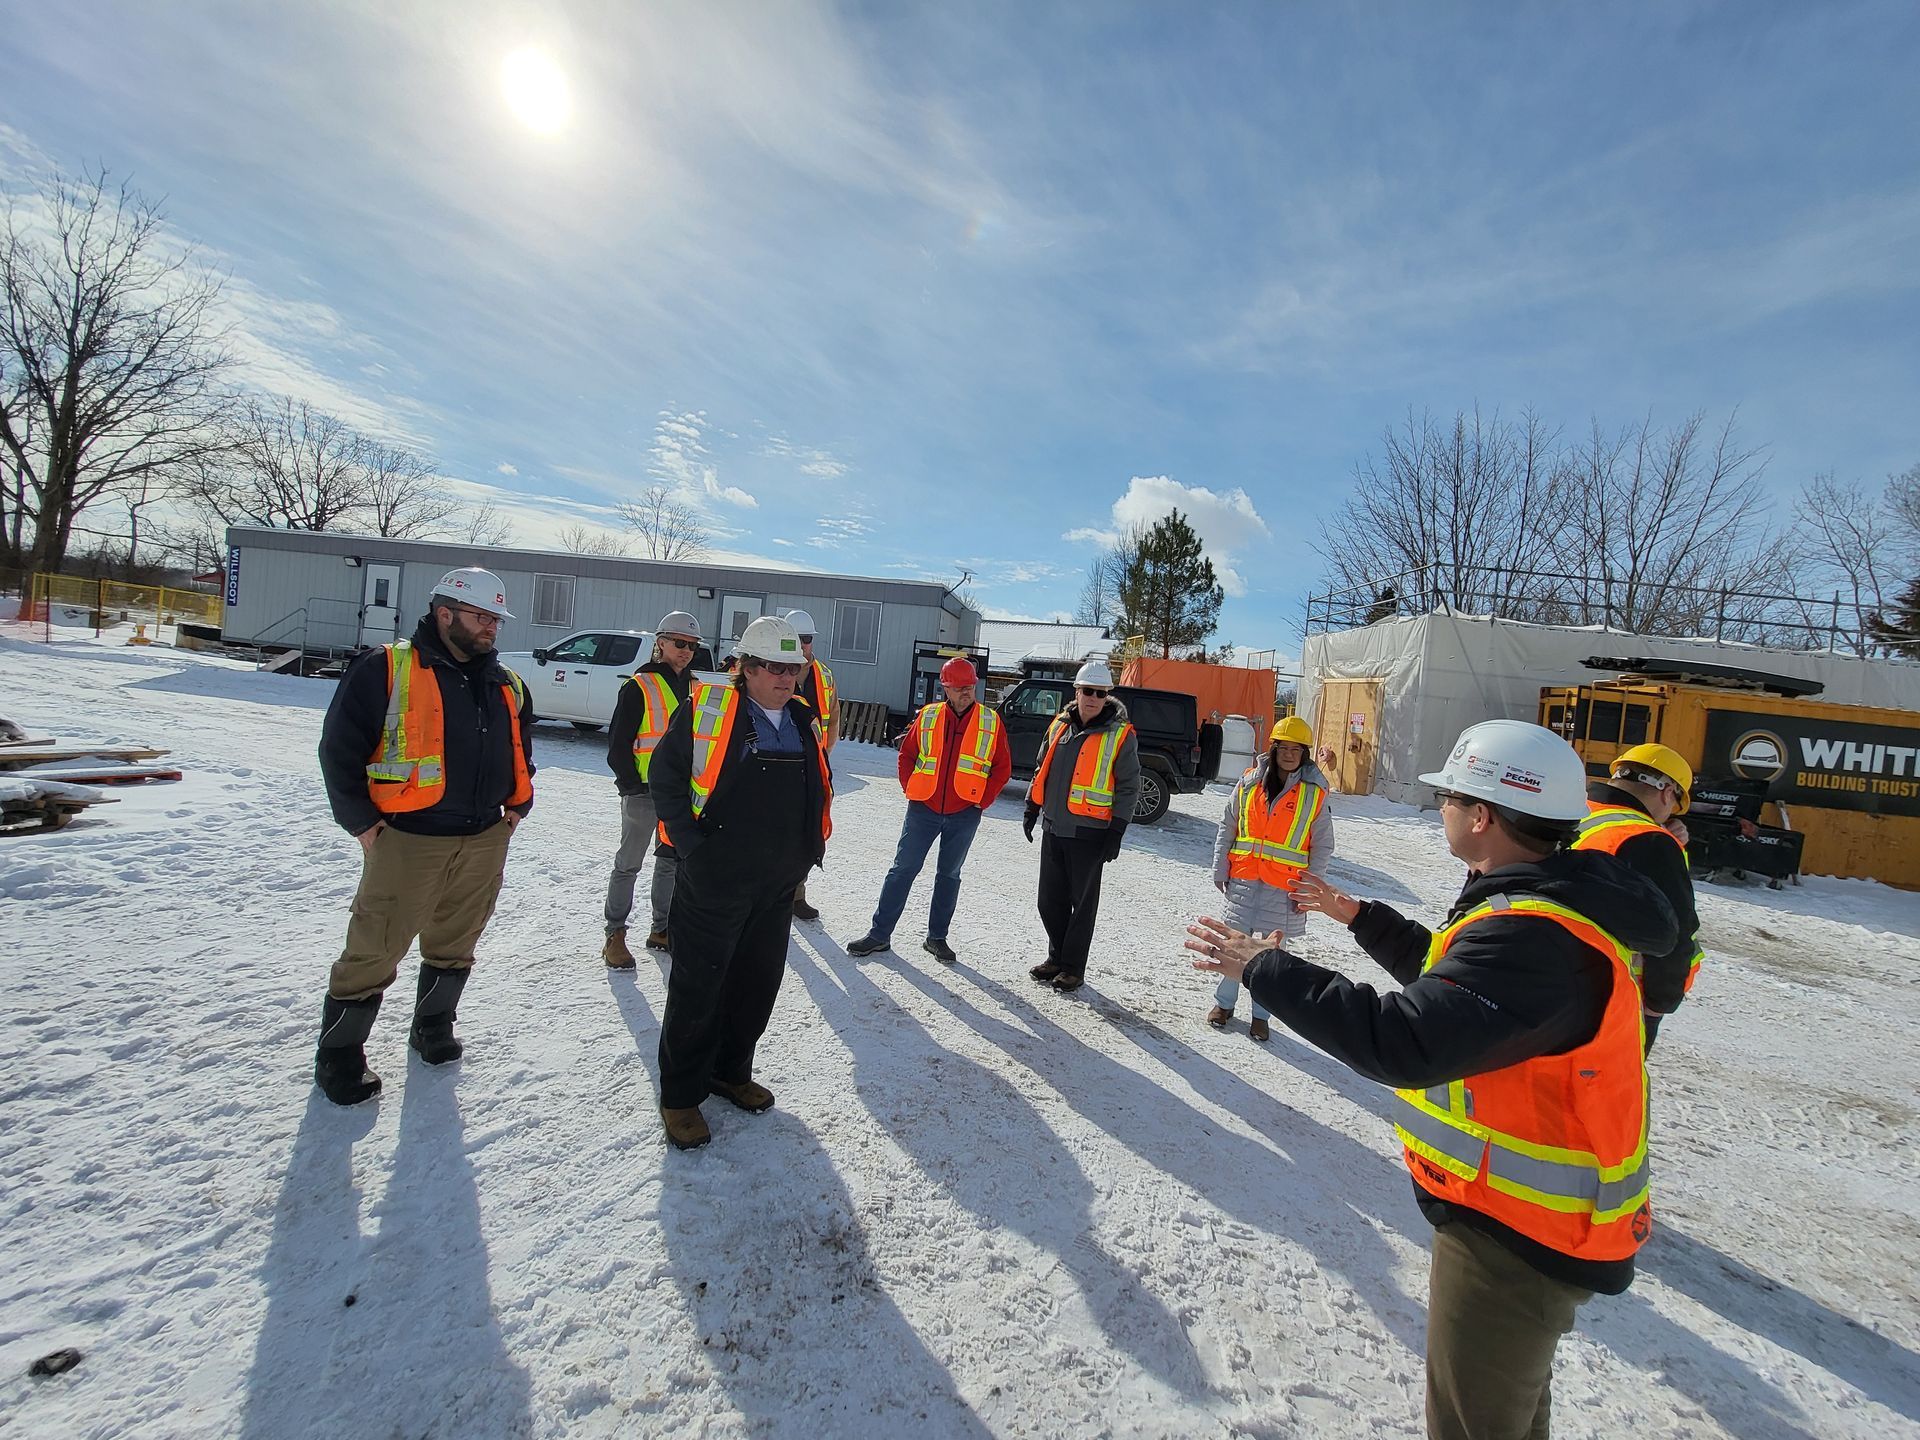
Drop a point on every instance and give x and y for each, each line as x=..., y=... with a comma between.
x=427, y=754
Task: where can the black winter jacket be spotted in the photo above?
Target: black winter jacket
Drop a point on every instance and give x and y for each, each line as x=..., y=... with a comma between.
x=629, y=713
x=1663, y=977
x=1508, y=990
x=479, y=759
x=672, y=772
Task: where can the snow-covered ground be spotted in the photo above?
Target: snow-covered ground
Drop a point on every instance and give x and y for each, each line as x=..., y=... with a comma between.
x=980, y=1208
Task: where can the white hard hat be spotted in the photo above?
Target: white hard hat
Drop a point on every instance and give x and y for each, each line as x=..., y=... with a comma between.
x=802, y=622
x=476, y=587
x=679, y=622
x=1096, y=674
x=771, y=638
x=1519, y=765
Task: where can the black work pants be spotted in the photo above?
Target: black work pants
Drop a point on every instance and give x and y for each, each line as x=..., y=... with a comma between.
x=729, y=957
x=1070, y=895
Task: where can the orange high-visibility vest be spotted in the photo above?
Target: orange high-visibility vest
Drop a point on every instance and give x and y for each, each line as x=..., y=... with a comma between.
x=715, y=708
x=1554, y=1147
x=1606, y=829
x=973, y=764
x=823, y=688
x=1092, y=792
x=661, y=703
x=1271, y=845
x=408, y=770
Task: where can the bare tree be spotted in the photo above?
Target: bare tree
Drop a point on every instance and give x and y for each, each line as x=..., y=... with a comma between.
x=1903, y=506
x=109, y=356
x=1666, y=519
x=581, y=539
x=485, y=524
x=668, y=528
x=404, y=497
x=1100, y=592
x=1849, y=543
x=1462, y=513
x=284, y=464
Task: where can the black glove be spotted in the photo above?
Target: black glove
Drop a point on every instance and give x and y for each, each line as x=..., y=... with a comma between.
x=1115, y=833
x=1028, y=821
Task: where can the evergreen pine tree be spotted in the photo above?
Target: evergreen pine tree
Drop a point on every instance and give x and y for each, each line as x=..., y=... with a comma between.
x=1898, y=628
x=1167, y=591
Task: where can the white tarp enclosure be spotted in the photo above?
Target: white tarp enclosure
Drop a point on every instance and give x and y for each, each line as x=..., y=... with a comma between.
x=1440, y=673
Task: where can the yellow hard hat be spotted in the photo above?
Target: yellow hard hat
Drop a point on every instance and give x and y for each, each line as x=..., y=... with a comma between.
x=1293, y=730
x=1665, y=761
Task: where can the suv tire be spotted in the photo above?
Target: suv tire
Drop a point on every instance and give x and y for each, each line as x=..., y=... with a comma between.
x=1155, y=796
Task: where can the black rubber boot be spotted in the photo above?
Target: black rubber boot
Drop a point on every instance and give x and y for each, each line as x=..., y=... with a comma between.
x=433, y=1015
x=340, y=1062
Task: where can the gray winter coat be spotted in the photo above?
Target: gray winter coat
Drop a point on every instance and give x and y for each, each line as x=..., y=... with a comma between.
x=1126, y=774
x=1257, y=908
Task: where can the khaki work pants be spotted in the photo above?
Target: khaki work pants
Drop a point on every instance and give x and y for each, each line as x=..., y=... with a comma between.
x=440, y=888
x=1493, y=1322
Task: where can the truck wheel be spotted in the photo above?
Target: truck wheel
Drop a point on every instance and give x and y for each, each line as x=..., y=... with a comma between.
x=1154, y=797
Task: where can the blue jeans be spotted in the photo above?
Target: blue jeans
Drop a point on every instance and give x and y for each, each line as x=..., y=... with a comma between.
x=917, y=833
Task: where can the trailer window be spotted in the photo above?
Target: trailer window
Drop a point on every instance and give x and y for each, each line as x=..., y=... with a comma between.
x=1604, y=721
x=1633, y=729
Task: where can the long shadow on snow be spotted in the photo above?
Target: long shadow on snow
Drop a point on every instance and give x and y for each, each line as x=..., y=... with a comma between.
x=768, y=1250
x=1237, y=1176
x=970, y=1140
x=418, y=1353
x=1879, y=1368
x=1229, y=1171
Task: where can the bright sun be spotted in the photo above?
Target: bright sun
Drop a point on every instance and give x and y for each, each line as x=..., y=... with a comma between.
x=536, y=90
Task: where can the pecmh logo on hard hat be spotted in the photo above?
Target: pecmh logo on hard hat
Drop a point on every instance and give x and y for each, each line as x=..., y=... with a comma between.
x=1759, y=755
x=1529, y=780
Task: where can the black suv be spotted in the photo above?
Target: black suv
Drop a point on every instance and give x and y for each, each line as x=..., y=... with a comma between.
x=1165, y=721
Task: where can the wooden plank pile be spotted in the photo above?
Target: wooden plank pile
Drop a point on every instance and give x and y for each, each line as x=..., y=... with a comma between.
x=44, y=783
x=864, y=720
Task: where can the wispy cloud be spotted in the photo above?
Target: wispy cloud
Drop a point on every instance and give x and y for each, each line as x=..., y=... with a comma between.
x=680, y=460
x=817, y=463
x=835, y=532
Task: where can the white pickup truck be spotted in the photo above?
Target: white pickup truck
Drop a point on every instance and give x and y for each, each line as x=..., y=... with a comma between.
x=579, y=678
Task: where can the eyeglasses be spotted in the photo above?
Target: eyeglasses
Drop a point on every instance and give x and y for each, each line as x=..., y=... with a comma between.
x=777, y=667
x=479, y=617
x=677, y=643
x=1093, y=694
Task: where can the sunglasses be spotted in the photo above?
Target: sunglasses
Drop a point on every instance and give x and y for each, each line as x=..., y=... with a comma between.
x=776, y=667
x=677, y=643
x=1093, y=694
x=806, y=639
x=1449, y=797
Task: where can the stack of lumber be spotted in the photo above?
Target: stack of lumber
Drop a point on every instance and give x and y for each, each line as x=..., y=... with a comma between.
x=45, y=783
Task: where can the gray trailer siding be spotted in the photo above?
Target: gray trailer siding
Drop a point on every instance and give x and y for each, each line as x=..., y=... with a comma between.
x=298, y=587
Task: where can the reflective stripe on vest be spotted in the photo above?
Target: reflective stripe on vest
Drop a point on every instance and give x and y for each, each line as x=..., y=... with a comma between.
x=1606, y=829
x=408, y=768
x=1462, y=1139
x=661, y=703
x=1274, y=861
x=1091, y=793
x=715, y=708
x=971, y=767
x=823, y=688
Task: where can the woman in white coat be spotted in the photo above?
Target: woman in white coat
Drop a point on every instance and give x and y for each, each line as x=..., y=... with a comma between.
x=1278, y=826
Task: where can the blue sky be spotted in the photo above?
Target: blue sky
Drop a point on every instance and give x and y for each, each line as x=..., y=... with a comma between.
x=892, y=289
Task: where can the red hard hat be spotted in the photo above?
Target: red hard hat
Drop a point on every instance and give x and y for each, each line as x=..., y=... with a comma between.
x=958, y=671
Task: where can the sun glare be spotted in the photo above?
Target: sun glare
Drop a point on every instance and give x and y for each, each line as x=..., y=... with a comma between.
x=536, y=90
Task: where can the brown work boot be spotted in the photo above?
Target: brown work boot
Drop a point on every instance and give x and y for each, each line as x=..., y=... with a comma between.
x=657, y=940
x=686, y=1129
x=1045, y=971
x=1218, y=1017
x=1257, y=1030
x=616, y=953
x=749, y=1095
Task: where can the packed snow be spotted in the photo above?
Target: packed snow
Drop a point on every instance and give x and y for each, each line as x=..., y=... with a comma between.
x=979, y=1208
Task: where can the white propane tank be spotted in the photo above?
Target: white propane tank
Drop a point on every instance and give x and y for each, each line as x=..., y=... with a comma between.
x=1237, y=747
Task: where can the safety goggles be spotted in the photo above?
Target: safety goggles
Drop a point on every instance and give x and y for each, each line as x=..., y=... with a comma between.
x=1093, y=694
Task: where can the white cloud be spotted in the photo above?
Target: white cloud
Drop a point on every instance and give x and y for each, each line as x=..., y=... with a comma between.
x=679, y=460
x=817, y=463
x=1226, y=522
x=503, y=468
